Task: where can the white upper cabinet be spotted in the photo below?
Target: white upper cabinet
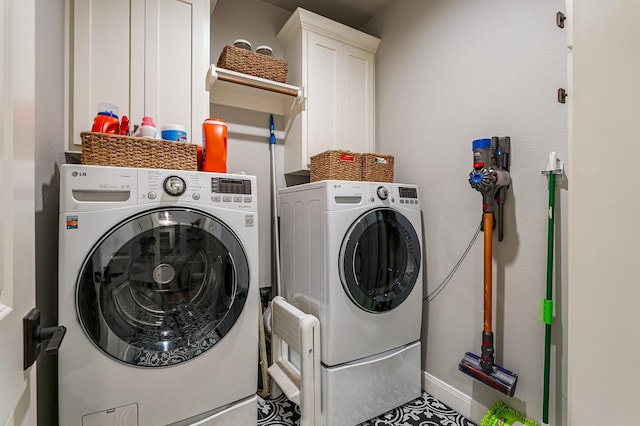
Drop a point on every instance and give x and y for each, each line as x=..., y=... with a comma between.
x=148, y=57
x=334, y=64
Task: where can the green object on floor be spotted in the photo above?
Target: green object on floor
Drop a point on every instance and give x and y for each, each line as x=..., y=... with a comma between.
x=501, y=415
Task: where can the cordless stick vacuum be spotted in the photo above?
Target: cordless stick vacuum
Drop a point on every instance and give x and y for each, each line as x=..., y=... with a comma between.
x=490, y=176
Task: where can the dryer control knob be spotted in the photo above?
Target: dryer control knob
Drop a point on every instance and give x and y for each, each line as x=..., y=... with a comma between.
x=383, y=193
x=174, y=185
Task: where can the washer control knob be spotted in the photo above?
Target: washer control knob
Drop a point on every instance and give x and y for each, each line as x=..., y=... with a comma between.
x=382, y=192
x=174, y=185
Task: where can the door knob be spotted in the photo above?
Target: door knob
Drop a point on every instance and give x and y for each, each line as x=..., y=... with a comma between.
x=34, y=335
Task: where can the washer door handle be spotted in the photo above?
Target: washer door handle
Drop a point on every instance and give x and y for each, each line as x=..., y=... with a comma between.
x=34, y=335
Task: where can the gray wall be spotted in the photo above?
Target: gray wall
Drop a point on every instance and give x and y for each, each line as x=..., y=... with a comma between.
x=449, y=72
x=257, y=22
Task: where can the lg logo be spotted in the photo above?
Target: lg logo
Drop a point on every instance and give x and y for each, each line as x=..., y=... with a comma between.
x=76, y=174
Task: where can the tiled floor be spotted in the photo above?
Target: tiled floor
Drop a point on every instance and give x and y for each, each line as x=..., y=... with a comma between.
x=424, y=411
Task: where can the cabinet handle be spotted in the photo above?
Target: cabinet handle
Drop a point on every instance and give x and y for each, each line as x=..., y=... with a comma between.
x=560, y=18
x=562, y=96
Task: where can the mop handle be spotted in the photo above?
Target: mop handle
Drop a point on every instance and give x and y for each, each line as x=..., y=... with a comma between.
x=549, y=294
x=275, y=236
x=488, y=259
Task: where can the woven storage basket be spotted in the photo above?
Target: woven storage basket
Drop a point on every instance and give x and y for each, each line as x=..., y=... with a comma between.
x=336, y=165
x=377, y=167
x=255, y=64
x=101, y=149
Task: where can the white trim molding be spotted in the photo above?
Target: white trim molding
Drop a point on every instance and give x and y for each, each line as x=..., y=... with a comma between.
x=452, y=397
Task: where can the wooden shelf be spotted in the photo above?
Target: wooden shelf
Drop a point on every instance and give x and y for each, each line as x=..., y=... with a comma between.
x=258, y=94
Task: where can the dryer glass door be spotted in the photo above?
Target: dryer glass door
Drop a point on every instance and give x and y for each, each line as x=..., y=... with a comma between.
x=162, y=287
x=380, y=260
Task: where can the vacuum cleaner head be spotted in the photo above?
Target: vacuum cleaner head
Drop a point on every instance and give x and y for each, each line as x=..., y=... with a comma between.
x=501, y=415
x=498, y=378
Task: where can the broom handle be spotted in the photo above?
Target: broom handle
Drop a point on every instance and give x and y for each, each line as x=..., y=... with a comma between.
x=488, y=259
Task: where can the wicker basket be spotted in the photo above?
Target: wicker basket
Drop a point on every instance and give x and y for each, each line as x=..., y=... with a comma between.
x=377, y=167
x=101, y=149
x=336, y=165
x=244, y=61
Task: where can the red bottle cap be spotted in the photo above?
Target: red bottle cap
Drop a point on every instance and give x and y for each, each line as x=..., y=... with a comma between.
x=148, y=121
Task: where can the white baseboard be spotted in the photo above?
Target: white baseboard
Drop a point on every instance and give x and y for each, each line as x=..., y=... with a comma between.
x=455, y=399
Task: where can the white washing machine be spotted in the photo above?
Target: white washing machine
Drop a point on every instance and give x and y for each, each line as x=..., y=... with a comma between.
x=351, y=256
x=158, y=290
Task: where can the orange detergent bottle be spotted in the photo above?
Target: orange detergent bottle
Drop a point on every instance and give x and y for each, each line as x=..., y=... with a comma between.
x=107, y=119
x=214, y=132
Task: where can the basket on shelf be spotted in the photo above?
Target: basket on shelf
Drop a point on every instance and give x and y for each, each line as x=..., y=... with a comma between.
x=377, y=167
x=101, y=149
x=255, y=64
x=336, y=165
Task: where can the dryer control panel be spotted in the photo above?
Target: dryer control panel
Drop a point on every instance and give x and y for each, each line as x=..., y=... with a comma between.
x=345, y=195
x=395, y=194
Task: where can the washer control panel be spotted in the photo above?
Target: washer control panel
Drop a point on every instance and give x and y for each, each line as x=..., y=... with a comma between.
x=226, y=190
x=86, y=188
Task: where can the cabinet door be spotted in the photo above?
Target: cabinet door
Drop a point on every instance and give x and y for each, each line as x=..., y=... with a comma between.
x=335, y=65
x=101, y=59
x=148, y=57
x=176, y=63
x=358, y=103
x=324, y=94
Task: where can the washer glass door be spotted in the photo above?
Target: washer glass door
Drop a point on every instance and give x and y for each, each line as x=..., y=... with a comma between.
x=380, y=260
x=162, y=287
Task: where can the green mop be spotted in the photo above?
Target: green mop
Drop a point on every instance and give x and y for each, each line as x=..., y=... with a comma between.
x=553, y=168
x=501, y=415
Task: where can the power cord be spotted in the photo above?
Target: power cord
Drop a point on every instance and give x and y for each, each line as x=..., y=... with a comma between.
x=431, y=296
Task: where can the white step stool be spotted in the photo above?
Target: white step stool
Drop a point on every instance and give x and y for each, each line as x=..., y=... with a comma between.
x=292, y=328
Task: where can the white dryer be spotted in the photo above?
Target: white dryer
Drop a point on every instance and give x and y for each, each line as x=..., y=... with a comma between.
x=351, y=255
x=158, y=290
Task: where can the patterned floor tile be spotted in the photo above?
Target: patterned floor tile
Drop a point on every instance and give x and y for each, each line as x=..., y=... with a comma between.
x=423, y=411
